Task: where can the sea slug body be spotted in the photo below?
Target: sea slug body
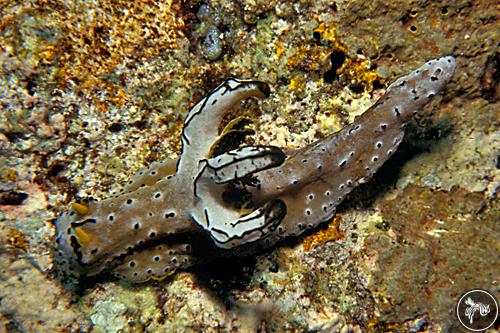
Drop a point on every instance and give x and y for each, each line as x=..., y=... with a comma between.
x=207, y=203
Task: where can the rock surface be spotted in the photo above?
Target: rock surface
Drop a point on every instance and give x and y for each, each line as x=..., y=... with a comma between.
x=94, y=90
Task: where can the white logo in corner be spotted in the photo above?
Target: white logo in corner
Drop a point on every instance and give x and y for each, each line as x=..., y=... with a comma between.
x=477, y=310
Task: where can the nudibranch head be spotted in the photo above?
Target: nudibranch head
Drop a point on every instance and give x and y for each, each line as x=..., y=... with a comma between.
x=67, y=256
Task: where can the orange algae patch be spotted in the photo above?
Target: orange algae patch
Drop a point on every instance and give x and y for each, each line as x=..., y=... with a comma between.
x=279, y=48
x=16, y=240
x=307, y=57
x=331, y=234
x=8, y=175
x=297, y=83
x=84, y=43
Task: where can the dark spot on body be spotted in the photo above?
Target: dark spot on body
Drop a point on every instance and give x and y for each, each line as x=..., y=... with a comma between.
x=169, y=215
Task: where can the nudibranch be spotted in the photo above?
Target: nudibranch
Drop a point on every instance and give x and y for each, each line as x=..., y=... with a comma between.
x=214, y=201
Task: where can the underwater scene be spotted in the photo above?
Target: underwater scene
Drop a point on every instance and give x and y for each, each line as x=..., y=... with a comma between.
x=249, y=166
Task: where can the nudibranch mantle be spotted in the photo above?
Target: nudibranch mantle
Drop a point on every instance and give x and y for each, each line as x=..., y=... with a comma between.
x=179, y=212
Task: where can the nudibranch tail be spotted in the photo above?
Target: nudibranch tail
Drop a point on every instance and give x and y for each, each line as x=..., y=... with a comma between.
x=317, y=178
